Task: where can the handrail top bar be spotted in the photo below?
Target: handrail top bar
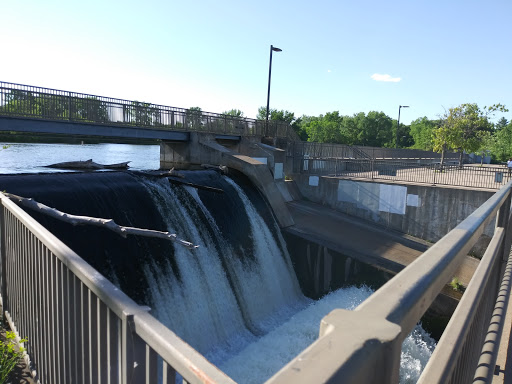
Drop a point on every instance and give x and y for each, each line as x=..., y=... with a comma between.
x=406, y=297
x=121, y=101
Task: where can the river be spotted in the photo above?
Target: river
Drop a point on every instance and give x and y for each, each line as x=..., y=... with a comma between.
x=33, y=158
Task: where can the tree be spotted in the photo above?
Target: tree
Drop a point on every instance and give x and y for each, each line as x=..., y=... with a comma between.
x=501, y=148
x=194, y=117
x=324, y=129
x=502, y=123
x=234, y=112
x=463, y=128
x=421, y=131
x=375, y=129
x=89, y=109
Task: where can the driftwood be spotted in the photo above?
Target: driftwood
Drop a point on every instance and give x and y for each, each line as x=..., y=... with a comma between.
x=95, y=221
x=170, y=175
x=88, y=164
x=219, y=168
x=198, y=186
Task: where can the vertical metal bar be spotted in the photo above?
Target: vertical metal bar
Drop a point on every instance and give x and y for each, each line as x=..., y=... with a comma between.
x=53, y=322
x=126, y=349
x=169, y=374
x=113, y=347
x=102, y=342
x=76, y=328
x=61, y=329
x=84, y=314
x=3, y=256
x=93, y=337
x=151, y=365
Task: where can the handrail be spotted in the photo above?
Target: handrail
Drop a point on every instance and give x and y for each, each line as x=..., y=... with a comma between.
x=143, y=338
x=364, y=345
x=58, y=105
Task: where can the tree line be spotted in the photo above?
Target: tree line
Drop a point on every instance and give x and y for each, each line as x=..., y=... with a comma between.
x=466, y=128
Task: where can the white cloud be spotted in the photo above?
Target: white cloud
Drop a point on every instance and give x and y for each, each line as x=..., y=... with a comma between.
x=388, y=78
x=329, y=71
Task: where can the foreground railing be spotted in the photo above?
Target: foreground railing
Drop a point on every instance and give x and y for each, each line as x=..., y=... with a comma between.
x=26, y=101
x=80, y=327
x=425, y=171
x=364, y=345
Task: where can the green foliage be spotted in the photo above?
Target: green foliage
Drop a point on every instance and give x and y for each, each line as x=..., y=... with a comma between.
x=456, y=285
x=234, y=112
x=465, y=128
x=501, y=146
x=90, y=109
x=194, y=117
x=9, y=355
x=324, y=129
x=421, y=131
x=142, y=114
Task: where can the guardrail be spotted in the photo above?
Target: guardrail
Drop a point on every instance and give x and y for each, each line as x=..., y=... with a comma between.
x=364, y=345
x=26, y=101
x=80, y=327
x=357, y=152
x=425, y=171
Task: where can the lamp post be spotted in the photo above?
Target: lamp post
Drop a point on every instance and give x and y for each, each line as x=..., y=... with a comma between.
x=272, y=48
x=398, y=123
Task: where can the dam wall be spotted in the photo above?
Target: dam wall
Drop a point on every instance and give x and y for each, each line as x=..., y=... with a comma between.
x=424, y=211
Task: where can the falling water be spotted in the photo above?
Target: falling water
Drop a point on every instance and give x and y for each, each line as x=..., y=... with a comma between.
x=243, y=308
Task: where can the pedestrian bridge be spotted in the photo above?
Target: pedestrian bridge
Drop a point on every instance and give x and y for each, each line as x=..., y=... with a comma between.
x=25, y=108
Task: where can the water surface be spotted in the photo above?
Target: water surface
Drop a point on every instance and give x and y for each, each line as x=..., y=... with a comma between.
x=33, y=158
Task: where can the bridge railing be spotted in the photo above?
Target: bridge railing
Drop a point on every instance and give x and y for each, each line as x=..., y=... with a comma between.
x=364, y=345
x=17, y=100
x=80, y=327
x=425, y=171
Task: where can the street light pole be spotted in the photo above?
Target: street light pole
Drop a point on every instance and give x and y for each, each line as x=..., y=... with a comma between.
x=398, y=123
x=272, y=48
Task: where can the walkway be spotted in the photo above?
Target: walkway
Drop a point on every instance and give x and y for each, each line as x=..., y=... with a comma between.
x=361, y=240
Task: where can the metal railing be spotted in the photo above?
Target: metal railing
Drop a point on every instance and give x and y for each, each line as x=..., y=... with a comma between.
x=364, y=345
x=26, y=101
x=80, y=327
x=420, y=171
x=341, y=151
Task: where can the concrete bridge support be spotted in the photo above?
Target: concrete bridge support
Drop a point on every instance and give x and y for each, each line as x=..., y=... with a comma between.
x=262, y=163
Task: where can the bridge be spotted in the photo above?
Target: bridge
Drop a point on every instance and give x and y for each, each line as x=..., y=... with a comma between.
x=26, y=108
x=83, y=329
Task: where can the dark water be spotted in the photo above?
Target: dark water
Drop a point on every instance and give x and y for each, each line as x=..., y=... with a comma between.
x=32, y=158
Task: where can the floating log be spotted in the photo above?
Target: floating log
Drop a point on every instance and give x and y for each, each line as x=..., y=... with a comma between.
x=219, y=168
x=171, y=177
x=198, y=186
x=88, y=164
x=95, y=221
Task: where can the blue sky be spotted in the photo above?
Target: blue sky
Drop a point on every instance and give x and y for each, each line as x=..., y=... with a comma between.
x=215, y=54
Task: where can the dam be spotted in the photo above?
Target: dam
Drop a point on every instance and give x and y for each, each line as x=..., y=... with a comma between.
x=236, y=299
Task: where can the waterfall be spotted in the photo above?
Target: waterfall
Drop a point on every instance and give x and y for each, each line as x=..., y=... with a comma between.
x=242, y=293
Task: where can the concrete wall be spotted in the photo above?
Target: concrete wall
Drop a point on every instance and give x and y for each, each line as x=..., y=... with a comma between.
x=262, y=163
x=424, y=211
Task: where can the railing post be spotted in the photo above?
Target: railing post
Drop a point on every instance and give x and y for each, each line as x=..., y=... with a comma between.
x=69, y=106
x=503, y=219
x=3, y=252
x=133, y=353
